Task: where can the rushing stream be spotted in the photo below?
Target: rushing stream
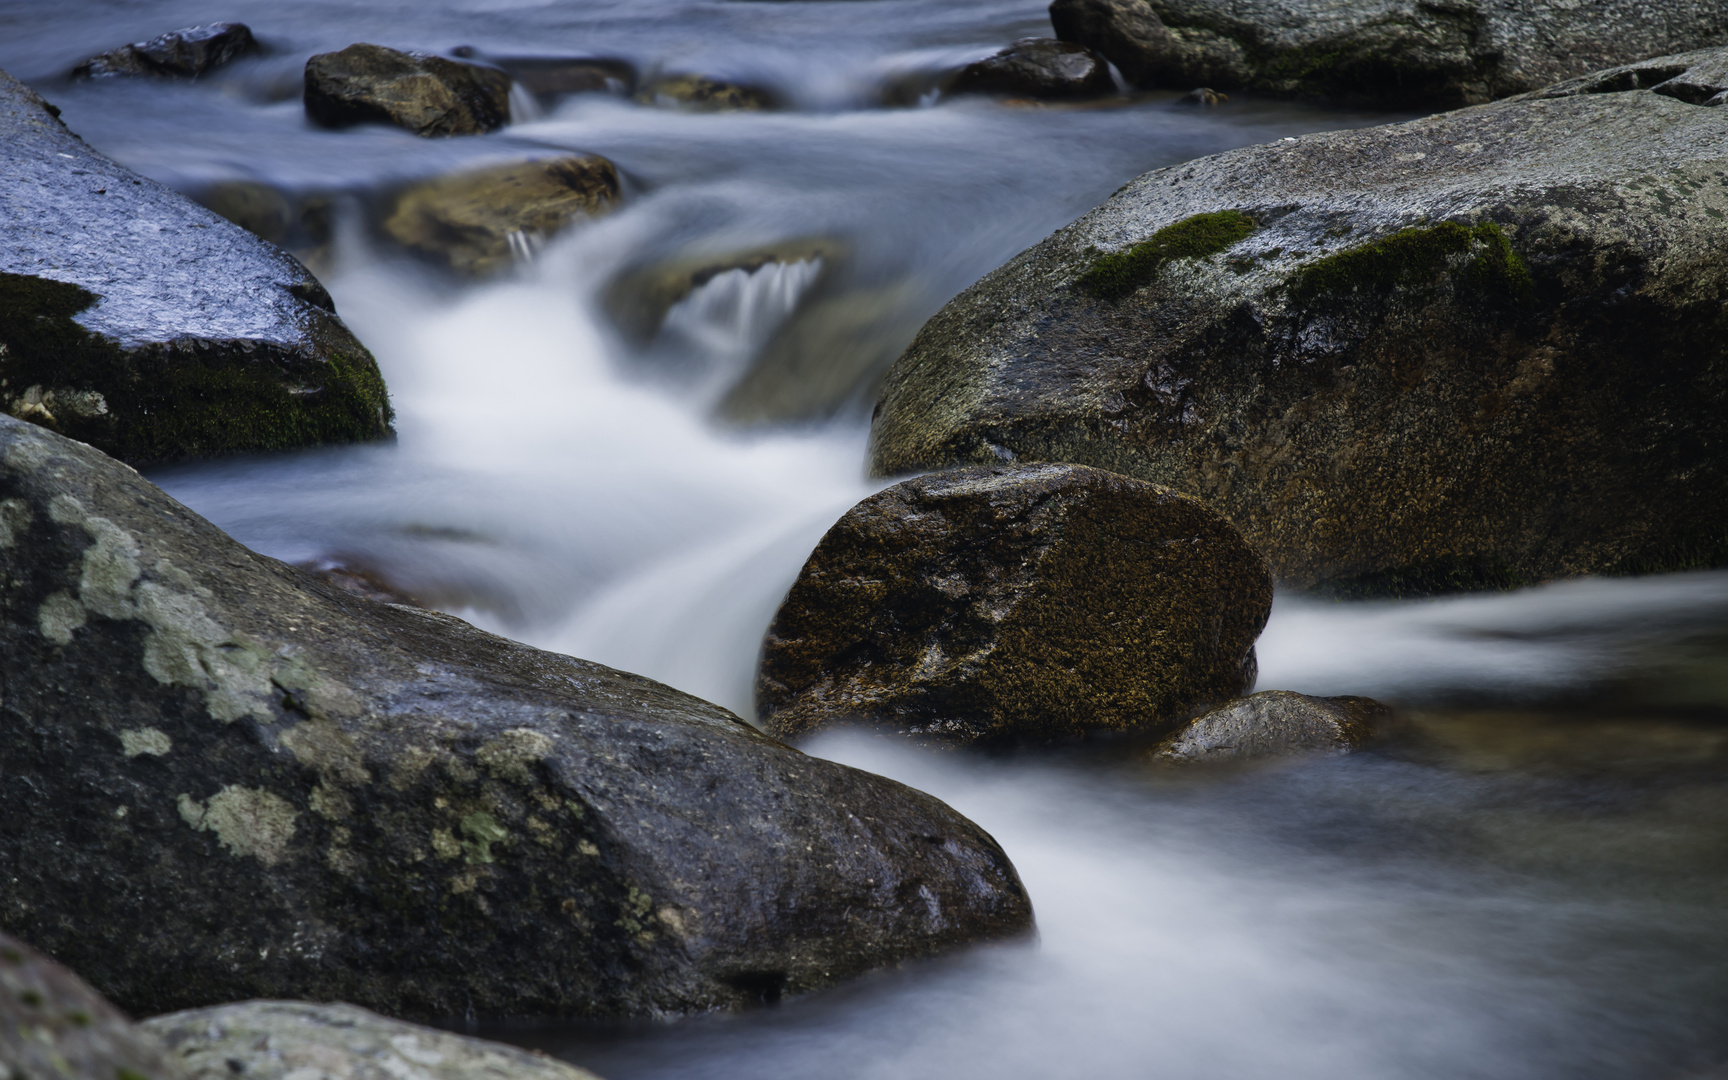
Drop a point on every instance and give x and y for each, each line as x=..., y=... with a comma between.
x=1528, y=879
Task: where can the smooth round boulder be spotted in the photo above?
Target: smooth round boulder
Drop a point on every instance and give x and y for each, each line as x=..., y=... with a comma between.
x=1274, y=723
x=428, y=95
x=1015, y=603
x=1042, y=68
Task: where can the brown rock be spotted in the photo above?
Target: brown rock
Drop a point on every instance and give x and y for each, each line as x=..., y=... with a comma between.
x=702, y=94
x=1275, y=723
x=428, y=95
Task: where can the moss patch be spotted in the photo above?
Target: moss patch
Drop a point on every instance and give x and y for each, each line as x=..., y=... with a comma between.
x=1119, y=273
x=1419, y=256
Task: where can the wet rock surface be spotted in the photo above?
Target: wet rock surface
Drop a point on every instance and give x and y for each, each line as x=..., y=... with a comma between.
x=479, y=220
x=213, y=764
x=428, y=95
x=1038, y=68
x=699, y=93
x=276, y=1040
x=54, y=1027
x=184, y=54
x=141, y=323
x=1480, y=349
x=1408, y=51
x=1015, y=603
x=1275, y=723
x=549, y=78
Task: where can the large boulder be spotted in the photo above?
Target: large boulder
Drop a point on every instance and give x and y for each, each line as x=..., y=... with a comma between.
x=54, y=1027
x=1409, y=51
x=184, y=54
x=276, y=1040
x=214, y=766
x=1015, y=604
x=1274, y=723
x=428, y=95
x=1483, y=348
x=141, y=323
x=1038, y=68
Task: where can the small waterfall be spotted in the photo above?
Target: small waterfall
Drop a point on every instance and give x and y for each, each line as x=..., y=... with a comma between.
x=524, y=109
x=728, y=318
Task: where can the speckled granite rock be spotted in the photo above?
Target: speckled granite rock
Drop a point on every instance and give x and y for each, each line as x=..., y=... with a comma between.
x=1452, y=53
x=54, y=1027
x=1274, y=723
x=428, y=95
x=216, y=766
x=185, y=54
x=137, y=321
x=1037, y=68
x=1015, y=603
x=276, y=1040
x=1479, y=349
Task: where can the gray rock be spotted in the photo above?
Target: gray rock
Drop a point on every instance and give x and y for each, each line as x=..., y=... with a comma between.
x=1480, y=349
x=1697, y=78
x=428, y=95
x=214, y=765
x=275, y=1040
x=1015, y=603
x=1038, y=68
x=1275, y=723
x=54, y=1027
x=1452, y=53
x=184, y=54
x=141, y=323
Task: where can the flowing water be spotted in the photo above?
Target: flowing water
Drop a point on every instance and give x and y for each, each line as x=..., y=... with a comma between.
x=1527, y=878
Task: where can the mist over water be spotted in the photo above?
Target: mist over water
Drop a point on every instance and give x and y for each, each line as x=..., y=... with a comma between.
x=1527, y=878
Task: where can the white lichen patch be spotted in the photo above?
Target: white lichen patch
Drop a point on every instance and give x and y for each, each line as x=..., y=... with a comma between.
x=246, y=821
x=331, y=803
x=15, y=519
x=59, y=616
x=327, y=748
x=510, y=755
x=145, y=740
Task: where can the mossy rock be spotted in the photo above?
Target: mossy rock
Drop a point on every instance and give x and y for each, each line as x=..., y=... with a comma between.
x=428, y=95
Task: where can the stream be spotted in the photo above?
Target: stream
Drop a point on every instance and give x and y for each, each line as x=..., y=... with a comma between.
x=1528, y=877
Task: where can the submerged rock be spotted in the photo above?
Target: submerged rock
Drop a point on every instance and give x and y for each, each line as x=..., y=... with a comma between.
x=1275, y=723
x=479, y=220
x=276, y=1040
x=1038, y=68
x=303, y=223
x=1478, y=349
x=217, y=766
x=1386, y=50
x=428, y=95
x=639, y=299
x=551, y=77
x=1008, y=603
x=1203, y=95
x=184, y=54
x=702, y=94
x=143, y=324
x=54, y=1027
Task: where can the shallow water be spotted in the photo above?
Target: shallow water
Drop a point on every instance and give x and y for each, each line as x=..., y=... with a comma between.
x=1525, y=879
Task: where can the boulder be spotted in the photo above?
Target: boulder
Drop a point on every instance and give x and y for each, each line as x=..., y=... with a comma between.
x=275, y=1040
x=428, y=95
x=1274, y=723
x=479, y=220
x=1203, y=96
x=54, y=1027
x=1021, y=603
x=184, y=54
x=699, y=93
x=1484, y=348
x=215, y=765
x=551, y=77
x=1038, y=68
x=143, y=324
x=303, y=223
x=1393, y=51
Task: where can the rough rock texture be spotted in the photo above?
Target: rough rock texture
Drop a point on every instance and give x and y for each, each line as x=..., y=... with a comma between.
x=276, y=1040
x=1274, y=723
x=215, y=766
x=1483, y=348
x=184, y=54
x=702, y=94
x=480, y=220
x=1454, y=52
x=139, y=322
x=54, y=1027
x=428, y=95
x=1015, y=603
x=1038, y=68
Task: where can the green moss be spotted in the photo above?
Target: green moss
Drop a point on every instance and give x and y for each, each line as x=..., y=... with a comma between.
x=1417, y=257
x=482, y=831
x=1119, y=273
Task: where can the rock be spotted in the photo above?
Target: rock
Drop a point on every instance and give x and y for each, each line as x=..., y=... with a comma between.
x=217, y=766
x=1480, y=349
x=1403, y=51
x=275, y=1040
x=428, y=95
x=639, y=299
x=143, y=324
x=1203, y=95
x=702, y=94
x=1015, y=603
x=551, y=77
x=184, y=54
x=1697, y=78
x=54, y=1027
x=1274, y=723
x=1038, y=68
x=480, y=220
x=302, y=223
